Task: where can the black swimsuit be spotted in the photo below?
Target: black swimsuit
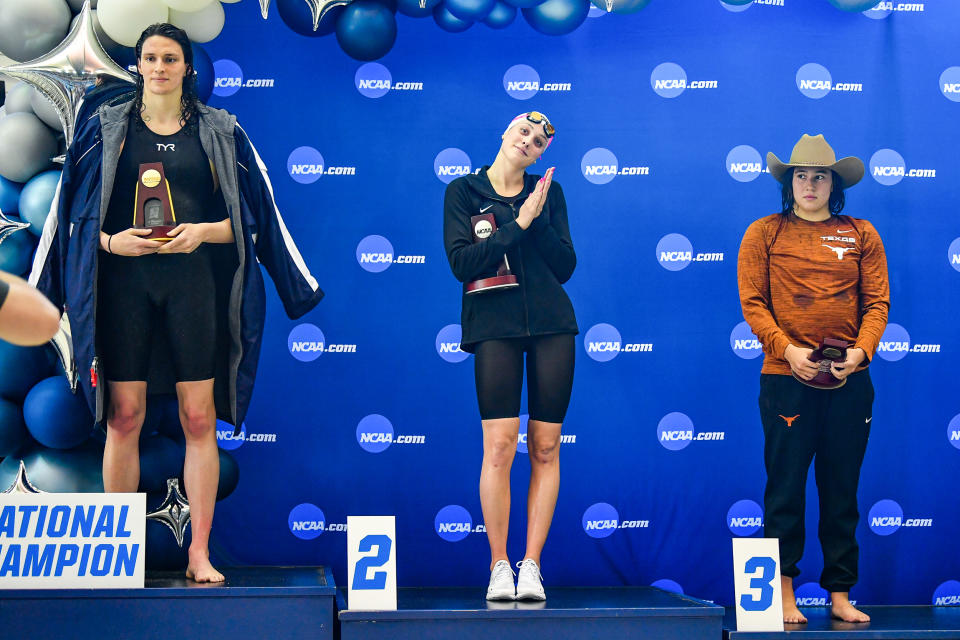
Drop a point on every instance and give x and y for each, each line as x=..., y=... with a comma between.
x=175, y=293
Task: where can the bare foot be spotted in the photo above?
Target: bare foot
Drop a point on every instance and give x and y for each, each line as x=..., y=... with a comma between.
x=199, y=568
x=791, y=614
x=841, y=609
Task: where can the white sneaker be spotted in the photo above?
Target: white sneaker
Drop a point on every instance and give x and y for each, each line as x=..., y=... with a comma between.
x=529, y=586
x=501, y=582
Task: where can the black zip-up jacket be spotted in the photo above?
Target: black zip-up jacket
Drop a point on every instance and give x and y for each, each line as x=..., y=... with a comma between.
x=541, y=257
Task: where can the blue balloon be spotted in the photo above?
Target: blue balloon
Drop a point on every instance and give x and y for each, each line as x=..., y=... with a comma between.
x=55, y=416
x=737, y=2
x=203, y=65
x=78, y=470
x=16, y=250
x=470, y=10
x=229, y=475
x=413, y=9
x=854, y=5
x=296, y=15
x=9, y=196
x=160, y=458
x=524, y=4
x=366, y=30
x=20, y=367
x=13, y=432
x=36, y=197
x=449, y=22
x=557, y=17
x=500, y=16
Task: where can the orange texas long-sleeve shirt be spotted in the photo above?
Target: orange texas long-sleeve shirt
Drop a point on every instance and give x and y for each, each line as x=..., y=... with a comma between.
x=818, y=280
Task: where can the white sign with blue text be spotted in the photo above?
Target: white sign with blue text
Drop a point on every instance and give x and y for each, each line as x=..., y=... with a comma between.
x=371, y=563
x=756, y=581
x=72, y=540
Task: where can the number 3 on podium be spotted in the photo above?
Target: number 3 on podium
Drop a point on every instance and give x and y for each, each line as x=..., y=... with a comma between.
x=371, y=563
x=756, y=579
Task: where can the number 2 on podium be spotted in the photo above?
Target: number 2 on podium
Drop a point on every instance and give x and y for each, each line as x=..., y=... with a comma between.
x=379, y=578
x=764, y=582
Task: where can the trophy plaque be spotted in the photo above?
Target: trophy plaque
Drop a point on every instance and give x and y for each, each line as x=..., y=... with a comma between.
x=153, y=204
x=483, y=226
x=828, y=352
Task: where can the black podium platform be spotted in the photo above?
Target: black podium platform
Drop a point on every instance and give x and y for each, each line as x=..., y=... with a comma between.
x=886, y=623
x=568, y=614
x=255, y=602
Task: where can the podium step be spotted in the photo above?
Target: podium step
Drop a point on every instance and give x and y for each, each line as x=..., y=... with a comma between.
x=568, y=614
x=254, y=603
x=886, y=623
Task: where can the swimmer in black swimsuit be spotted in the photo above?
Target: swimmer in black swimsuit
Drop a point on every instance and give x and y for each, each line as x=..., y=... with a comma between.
x=147, y=287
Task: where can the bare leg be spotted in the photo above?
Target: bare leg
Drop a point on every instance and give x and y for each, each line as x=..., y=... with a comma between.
x=201, y=471
x=841, y=608
x=499, y=448
x=790, y=612
x=121, y=454
x=543, y=445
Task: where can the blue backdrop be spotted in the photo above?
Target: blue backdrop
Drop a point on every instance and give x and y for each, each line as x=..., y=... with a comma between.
x=663, y=119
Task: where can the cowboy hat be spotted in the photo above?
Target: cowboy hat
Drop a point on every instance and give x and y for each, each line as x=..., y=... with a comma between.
x=813, y=151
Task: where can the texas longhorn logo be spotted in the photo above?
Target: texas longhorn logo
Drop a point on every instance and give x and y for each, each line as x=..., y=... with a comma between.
x=789, y=421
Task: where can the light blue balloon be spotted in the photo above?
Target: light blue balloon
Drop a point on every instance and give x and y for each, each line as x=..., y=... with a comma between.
x=20, y=367
x=449, y=22
x=470, y=10
x=412, y=7
x=55, y=416
x=78, y=470
x=557, y=17
x=524, y=4
x=501, y=16
x=160, y=458
x=366, y=30
x=9, y=196
x=36, y=197
x=854, y=5
x=16, y=250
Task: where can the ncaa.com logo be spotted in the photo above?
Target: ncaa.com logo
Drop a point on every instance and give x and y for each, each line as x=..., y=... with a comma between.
x=566, y=438
x=743, y=163
x=375, y=434
x=744, y=343
x=603, y=343
x=306, y=342
x=453, y=523
x=450, y=164
x=744, y=518
x=674, y=253
x=600, y=520
x=737, y=8
x=895, y=344
x=675, y=431
x=374, y=80
x=888, y=168
x=448, y=343
x=228, y=442
x=953, y=431
x=305, y=165
x=886, y=517
x=814, y=81
x=886, y=7
x=953, y=254
x=600, y=166
x=950, y=83
x=947, y=594
x=375, y=254
x=811, y=594
x=306, y=521
x=229, y=79
x=669, y=80
x=522, y=82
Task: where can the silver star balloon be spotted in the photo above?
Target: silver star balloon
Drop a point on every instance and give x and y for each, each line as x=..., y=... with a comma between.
x=64, y=74
x=9, y=227
x=21, y=484
x=319, y=8
x=264, y=8
x=174, y=512
x=62, y=342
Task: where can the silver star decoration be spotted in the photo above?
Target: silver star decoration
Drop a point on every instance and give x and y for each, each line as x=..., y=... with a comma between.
x=319, y=8
x=64, y=74
x=9, y=227
x=264, y=8
x=174, y=512
x=62, y=342
x=21, y=484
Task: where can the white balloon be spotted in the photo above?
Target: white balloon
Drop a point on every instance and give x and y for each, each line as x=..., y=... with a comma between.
x=201, y=26
x=229, y=1
x=187, y=5
x=125, y=20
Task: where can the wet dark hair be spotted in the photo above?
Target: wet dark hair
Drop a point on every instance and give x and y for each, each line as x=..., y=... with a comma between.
x=188, y=99
x=835, y=204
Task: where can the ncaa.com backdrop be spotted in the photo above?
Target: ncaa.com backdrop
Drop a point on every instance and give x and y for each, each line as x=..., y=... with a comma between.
x=366, y=406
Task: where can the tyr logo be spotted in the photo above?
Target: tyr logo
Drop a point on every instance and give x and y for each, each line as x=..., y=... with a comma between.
x=166, y=147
